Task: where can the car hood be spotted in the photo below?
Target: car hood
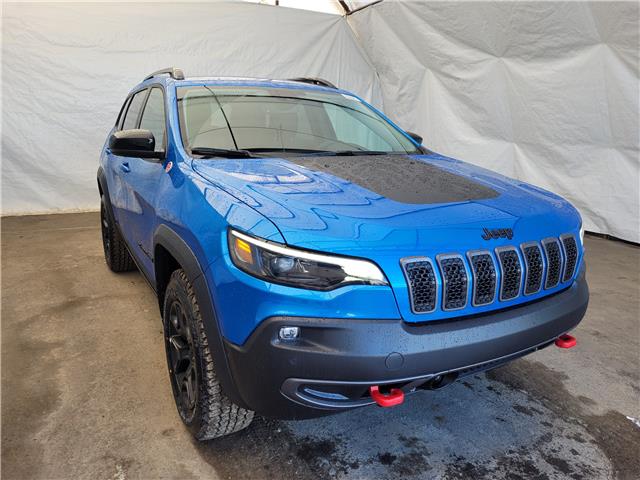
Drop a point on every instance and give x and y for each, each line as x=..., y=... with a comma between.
x=389, y=208
x=395, y=203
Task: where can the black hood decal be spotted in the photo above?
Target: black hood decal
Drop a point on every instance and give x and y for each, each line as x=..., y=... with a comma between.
x=400, y=178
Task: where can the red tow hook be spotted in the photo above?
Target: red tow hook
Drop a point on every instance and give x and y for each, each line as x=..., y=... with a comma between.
x=566, y=341
x=393, y=398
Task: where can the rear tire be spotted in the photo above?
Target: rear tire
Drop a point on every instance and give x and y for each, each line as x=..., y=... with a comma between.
x=116, y=254
x=203, y=407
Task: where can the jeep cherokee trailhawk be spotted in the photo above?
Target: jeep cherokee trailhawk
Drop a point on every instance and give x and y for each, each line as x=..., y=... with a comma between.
x=309, y=256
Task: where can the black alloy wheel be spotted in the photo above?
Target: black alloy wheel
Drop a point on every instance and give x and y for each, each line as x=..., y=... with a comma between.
x=115, y=249
x=200, y=399
x=182, y=361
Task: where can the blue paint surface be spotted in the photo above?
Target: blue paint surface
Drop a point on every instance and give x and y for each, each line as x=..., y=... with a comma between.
x=278, y=200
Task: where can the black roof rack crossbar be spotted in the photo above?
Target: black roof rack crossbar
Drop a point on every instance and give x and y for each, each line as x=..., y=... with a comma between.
x=313, y=81
x=173, y=72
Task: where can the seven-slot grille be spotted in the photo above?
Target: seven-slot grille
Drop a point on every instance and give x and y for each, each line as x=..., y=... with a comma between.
x=488, y=277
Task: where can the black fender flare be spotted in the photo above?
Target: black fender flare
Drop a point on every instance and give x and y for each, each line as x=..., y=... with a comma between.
x=104, y=188
x=101, y=177
x=182, y=253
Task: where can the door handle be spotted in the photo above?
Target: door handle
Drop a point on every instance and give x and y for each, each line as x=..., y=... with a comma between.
x=124, y=166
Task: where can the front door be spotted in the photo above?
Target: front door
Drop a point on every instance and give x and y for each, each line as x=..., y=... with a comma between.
x=141, y=178
x=120, y=167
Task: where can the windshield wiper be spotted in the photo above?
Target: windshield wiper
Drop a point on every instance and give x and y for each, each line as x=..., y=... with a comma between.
x=222, y=152
x=284, y=150
x=350, y=153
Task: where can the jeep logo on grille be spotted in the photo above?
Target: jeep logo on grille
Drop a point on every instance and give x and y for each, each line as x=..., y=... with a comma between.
x=488, y=234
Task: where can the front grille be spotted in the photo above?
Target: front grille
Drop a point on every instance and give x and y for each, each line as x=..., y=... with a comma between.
x=554, y=262
x=454, y=276
x=570, y=255
x=484, y=277
x=446, y=283
x=422, y=285
x=510, y=273
x=534, y=268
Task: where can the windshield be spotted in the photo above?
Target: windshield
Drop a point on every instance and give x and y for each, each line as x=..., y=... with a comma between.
x=281, y=120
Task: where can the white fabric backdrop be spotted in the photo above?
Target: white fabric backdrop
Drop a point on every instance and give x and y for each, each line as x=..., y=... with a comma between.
x=544, y=92
x=68, y=68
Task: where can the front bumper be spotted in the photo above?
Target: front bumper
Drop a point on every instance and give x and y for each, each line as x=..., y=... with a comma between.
x=334, y=361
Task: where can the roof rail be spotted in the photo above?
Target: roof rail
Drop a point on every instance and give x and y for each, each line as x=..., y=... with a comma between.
x=173, y=72
x=313, y=81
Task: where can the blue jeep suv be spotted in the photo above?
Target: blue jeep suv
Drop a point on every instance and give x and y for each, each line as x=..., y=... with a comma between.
x=309, y=256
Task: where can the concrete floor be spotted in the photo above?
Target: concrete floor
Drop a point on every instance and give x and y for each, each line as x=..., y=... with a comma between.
x=85, y=392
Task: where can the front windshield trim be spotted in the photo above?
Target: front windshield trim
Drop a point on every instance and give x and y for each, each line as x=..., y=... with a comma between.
x=385, y=131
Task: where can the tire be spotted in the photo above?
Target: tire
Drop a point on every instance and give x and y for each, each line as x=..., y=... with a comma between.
x=116, y=254
x=203, y=407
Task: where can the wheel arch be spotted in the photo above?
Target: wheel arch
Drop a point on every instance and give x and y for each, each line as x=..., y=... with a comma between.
x=102, y=180
x=172, y=253
x=103, y=188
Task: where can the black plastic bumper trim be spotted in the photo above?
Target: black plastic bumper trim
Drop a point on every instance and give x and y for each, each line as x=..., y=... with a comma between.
x=351, y=353
x=297, y=389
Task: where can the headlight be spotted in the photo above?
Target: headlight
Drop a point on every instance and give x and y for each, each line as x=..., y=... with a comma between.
x=277, y=263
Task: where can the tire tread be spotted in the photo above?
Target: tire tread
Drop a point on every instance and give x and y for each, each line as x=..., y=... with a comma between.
x=220, y=416
x=118, y=259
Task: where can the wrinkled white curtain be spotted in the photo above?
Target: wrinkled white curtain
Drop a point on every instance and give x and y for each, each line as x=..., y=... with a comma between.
x=544, y=92
x=67, y=68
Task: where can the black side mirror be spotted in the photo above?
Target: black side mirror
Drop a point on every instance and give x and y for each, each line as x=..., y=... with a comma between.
x=134, y=143
x=415, y=136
